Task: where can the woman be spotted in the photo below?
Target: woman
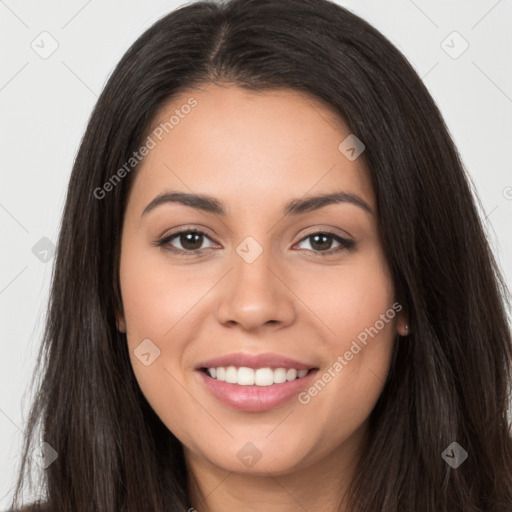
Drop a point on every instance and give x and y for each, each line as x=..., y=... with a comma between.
x=272, y=289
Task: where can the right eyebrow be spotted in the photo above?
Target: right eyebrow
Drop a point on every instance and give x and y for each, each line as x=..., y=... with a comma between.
x=199, y=201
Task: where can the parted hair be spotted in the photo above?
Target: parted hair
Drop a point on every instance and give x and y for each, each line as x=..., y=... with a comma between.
x=450, y=379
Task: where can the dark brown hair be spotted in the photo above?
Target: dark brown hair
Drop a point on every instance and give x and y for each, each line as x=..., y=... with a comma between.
x=449, y=380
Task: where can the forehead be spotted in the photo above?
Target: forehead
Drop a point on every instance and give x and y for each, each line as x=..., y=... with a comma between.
x=248, y=148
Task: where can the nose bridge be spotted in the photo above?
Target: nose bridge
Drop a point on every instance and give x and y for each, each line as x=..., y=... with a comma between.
x=255, y=295
x=253, y=262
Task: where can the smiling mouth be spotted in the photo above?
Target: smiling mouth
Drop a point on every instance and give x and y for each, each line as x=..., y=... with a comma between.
x=266, y=376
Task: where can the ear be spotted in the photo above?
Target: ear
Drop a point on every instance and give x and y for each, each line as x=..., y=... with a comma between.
x=402, y=324
x=120, y=321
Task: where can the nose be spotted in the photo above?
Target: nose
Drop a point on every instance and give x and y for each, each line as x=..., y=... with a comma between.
x=256, y=294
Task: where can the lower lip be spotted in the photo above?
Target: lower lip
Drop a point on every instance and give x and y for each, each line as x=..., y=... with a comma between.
x=255, y=398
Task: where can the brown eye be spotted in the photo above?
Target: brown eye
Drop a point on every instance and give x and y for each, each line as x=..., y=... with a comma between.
x=189, y=241
x=322, y=242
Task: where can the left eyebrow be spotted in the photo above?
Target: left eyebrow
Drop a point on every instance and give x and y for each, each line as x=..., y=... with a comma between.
x=295, y=207
x=298, y=206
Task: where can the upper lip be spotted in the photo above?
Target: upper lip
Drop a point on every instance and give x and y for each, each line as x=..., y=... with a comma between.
x=265, y=360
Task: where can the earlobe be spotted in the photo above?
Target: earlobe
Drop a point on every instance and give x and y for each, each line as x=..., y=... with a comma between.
x=403, y=327
x=120, y=323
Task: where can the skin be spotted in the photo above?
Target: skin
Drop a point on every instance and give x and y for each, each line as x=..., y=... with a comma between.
x=255, y=151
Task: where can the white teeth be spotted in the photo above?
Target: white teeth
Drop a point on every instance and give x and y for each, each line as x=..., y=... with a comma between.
x=280, y=376
x=244, y=376
x=264, y=377
x=231, y=375
x=291, y=374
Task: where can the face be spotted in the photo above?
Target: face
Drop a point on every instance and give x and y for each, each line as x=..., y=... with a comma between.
x=255, y=284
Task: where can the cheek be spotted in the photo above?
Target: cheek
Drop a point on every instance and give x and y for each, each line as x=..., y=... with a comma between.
x=158, y=306
x=360, y=312
x=156, y=300
x=349, y=299
x=155, y=295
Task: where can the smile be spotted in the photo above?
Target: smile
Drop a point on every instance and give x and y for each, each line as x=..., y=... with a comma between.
x=245, y=376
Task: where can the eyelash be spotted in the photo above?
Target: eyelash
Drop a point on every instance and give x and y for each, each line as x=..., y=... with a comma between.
x=345, y=244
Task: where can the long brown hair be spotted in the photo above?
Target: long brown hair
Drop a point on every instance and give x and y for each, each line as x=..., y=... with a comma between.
x=450, y=380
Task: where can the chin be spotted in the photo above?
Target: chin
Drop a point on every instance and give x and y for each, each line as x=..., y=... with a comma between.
x=258, y=457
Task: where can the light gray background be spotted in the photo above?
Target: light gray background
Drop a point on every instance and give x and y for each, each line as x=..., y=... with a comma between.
x=45, y=104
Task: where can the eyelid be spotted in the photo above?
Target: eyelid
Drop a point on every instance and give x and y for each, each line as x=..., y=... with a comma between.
x=331, y=230
x=197, y=228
